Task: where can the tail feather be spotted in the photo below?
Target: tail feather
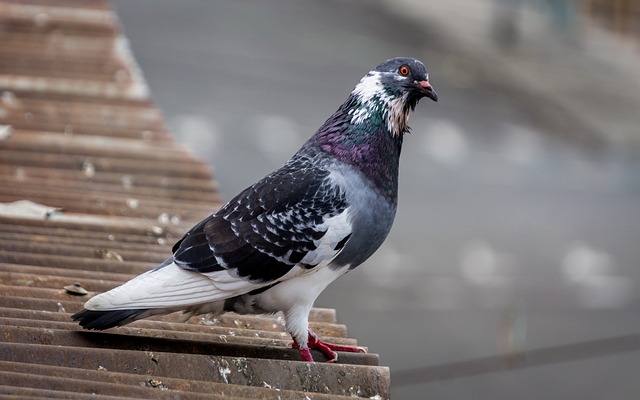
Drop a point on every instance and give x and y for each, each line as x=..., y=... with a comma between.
x=100, y=320
x=163, y=290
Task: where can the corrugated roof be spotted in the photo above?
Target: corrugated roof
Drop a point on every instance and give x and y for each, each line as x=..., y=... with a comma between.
x=94, y=191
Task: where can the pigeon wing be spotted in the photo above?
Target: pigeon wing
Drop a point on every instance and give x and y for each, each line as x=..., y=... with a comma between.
x=278, y=223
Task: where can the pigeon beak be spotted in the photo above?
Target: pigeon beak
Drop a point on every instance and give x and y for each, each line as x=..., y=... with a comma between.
x=426, y=89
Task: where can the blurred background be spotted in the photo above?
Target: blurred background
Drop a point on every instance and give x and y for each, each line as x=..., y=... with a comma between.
x=512, y=270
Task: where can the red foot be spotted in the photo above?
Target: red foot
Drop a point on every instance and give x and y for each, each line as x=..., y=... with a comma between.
x=328, y=349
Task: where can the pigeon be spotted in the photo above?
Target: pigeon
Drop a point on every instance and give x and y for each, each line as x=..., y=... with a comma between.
x=279, y=243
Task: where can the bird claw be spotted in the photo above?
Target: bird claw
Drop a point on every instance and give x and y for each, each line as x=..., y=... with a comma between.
x=328, y=349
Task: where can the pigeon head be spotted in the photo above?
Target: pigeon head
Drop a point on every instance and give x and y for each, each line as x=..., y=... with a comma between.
x=367, y=130
x=392, y=90
x=402, y=76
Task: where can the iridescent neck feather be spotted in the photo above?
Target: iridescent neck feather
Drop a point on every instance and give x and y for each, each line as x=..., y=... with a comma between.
x=373, y=100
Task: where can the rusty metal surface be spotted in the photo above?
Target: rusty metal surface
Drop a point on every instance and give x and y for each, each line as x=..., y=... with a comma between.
x=56, y=373
x=620, y=16
x=108, y=194
x=366, y=381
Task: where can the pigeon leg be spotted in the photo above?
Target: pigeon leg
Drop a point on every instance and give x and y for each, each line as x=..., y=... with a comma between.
x=328, y=349
x=305, y=353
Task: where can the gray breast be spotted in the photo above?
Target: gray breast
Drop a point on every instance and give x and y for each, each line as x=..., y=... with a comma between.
x=371, y=216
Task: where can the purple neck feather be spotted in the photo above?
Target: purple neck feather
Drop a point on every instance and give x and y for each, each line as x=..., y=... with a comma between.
x=368, y=146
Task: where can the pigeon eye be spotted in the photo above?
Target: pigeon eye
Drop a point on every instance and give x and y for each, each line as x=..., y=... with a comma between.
x=404, y=70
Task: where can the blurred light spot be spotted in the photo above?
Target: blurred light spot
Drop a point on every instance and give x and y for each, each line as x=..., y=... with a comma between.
x=88, y=168
x=9, y=99
x=133, y=203
x=490, y=273
x=444, y=141
x=41, y=19
x=521, y=145
x=198, y=133
x=592, y=271
x=127, y=181
x=20, y=174
x=164, y=218
x=478, y=262
x=481, y=264
x=5, y=131
x=582, y=263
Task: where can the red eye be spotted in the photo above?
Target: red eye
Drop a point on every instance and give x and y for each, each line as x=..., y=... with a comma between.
x=404, y=70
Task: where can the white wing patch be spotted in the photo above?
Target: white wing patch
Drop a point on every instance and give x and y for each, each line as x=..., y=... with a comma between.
x=338, y=227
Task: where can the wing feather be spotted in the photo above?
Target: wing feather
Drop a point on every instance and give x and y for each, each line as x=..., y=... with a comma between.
x=261, y=234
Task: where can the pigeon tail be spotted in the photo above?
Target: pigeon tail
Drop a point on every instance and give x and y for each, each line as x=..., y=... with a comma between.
x=100, y=320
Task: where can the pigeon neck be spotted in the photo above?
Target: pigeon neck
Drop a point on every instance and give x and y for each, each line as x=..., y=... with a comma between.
x=368, y=146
